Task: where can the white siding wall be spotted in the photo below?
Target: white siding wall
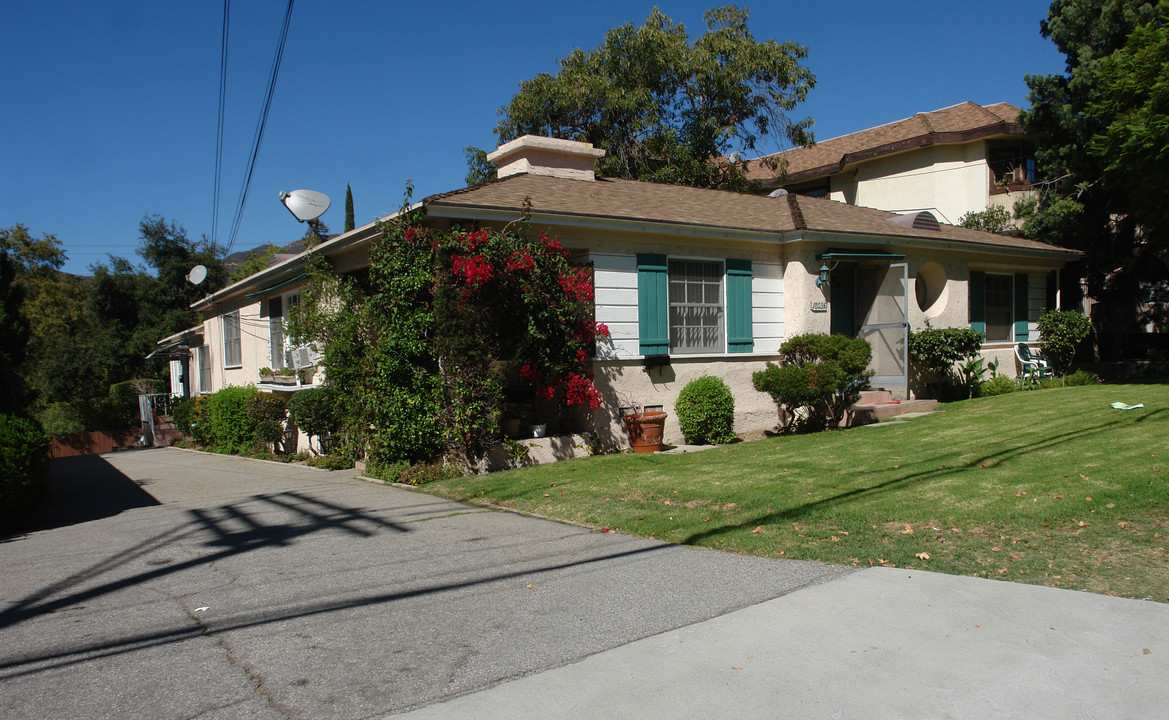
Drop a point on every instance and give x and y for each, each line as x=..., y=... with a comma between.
x=1036, y=299
x=767, y=306
x=615, y=282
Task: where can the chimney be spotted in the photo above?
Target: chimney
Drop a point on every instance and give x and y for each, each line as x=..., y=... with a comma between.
x=547, y=156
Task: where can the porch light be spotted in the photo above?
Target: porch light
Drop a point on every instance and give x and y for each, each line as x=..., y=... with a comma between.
x=822, y=281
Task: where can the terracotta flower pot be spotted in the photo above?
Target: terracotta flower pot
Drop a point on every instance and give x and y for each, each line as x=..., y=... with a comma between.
x=646, y=431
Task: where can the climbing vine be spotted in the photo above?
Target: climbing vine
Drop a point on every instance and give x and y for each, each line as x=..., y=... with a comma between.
x=425, y=348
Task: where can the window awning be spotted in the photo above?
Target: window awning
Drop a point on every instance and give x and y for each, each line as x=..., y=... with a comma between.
x=859, y=256
x=278, y=286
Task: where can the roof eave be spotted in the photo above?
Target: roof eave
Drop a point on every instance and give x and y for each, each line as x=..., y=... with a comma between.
x=913, y=143
x=294, y=265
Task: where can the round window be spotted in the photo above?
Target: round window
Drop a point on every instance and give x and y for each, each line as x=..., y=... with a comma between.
x=931, y=288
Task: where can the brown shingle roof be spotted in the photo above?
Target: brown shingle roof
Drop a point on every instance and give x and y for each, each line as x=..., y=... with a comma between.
x=958, y=123
x=628, y=200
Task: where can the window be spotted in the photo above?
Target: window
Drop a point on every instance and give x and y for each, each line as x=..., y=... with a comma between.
x=999, y=308
x=276, y=331
x=1011, y=162
x=278, y=309
x=693, y=306
x=696, y=307
x=232, y=355
x=204, y=359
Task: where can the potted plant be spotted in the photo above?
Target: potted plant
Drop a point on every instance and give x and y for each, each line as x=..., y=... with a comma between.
x=646, y=428
x=283, y=376
x=265, y=374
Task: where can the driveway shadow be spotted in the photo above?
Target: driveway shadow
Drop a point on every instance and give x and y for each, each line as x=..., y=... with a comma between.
x=85, y=488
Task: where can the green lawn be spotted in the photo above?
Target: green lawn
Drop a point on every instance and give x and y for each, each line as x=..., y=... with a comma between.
x=1051, y=487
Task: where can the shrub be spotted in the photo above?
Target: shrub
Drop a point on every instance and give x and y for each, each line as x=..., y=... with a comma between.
x=706, y=411
x=314, y=411
x=1082, y=377
x=268, y=411
x=1049, y=383
x=61, y=418
x=998, y=385
x=938, y=349
x=183, y=413
x=820, y=377
x=24, y=468
x=1059, y=333
x=229, y=429
x=330, y=462
x=423, y=473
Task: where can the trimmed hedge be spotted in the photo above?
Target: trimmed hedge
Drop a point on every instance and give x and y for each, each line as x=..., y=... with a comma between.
x=706, y=411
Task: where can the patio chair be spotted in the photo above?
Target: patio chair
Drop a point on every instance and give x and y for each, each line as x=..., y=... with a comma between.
x=1032, y=366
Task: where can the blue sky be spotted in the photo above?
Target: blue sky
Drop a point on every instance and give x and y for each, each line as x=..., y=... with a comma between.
x=110, y=107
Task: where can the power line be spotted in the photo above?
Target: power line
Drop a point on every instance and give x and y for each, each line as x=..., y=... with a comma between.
x=243, y=196
x=219, y=129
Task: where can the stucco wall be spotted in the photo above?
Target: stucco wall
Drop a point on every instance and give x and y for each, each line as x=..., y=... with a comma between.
x=626, y=384
x=949, y=180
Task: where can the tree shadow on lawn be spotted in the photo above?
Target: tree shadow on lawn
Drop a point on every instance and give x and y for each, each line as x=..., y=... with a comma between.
x=800, y=511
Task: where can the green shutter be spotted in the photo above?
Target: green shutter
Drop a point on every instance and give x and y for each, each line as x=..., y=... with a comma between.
x=739, y=331
x=978, y=301
x=653, y=326
x=1021, y=302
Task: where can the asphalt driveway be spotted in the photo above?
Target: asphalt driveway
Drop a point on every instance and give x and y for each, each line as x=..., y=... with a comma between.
x=176, y=584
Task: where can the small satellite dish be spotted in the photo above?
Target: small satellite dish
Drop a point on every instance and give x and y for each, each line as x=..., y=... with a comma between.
x=305, y=205
x=778, y=193
x=197, y=275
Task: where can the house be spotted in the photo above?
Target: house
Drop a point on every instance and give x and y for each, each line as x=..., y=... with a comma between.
x=694, y=282
x=951, y=161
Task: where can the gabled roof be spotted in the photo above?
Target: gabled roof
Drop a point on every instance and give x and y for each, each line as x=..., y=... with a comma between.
x=610, y=200
x=955, y=124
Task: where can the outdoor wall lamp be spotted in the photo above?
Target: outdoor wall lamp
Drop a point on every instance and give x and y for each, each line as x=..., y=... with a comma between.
x=822, y=281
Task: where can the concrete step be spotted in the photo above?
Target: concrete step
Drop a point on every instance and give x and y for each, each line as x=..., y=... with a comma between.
x=874, y=397
x=864, y=414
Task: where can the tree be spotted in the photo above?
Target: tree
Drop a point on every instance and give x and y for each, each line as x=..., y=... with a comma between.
x=1104, y=128
x=994, y=219
x=258, y=260
x=479, y=168
x=349, y=221
x=665, y=109
x=24, y=263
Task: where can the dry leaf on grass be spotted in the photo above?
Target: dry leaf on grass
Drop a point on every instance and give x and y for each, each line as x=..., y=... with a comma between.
x=758, y=530
x=923, y=556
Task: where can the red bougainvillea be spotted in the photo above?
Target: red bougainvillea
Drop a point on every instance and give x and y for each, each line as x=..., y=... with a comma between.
x=474, y=270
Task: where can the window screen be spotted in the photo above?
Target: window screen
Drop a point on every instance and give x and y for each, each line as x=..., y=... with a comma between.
x=696, y=307
x=232, y=357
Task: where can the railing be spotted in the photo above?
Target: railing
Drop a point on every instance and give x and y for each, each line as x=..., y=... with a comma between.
x=161, y=403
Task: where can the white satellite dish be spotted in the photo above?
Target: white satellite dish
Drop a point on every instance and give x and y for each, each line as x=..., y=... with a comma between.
x=305, y=205
x=197, y=275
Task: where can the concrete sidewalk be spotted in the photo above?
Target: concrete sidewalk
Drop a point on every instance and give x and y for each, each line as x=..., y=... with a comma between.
x=882, y=643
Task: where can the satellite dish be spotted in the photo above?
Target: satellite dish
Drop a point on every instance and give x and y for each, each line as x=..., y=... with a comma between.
x=197, y=275
x=778, y=193
x=305, y=205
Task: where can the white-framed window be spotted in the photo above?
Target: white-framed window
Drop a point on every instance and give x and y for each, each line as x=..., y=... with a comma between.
x=697, y=311
x=278, y=309
x=1000, y=308
x=232, y=351
x=203, y=358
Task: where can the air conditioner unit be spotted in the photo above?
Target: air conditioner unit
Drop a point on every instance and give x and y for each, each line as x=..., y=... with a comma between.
x=303, y=357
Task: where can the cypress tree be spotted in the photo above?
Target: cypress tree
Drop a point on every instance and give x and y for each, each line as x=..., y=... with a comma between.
x=348, y=208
